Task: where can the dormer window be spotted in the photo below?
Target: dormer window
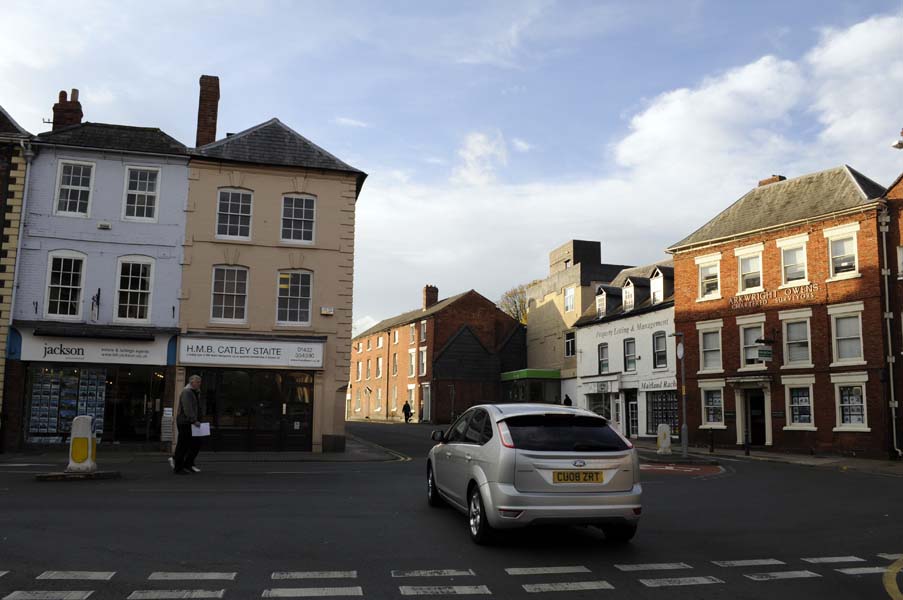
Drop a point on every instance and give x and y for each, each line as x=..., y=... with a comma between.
x=658, y=288
x=600, y=305
x=627, y=296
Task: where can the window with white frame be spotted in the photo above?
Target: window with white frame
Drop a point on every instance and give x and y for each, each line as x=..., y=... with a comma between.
x=357, y=401
x=602, y=351
x=793, y=260
x=379, y=367
x=74, y=189
x=65, y=284
x=627, y=297
x=799, y=405
x=395, y=337
x=712, y=407
x=658, y=288
x=298, y=218
x=846, y=332
x=629, y=355
x=133, y=293
x=851, y=410
x=360, y=347
x=360, y=368
x=230, y=294
x=600, y=305
x=749, y=334
x=411, y=397
x=233, y=214
x=379, y=400
x=899, y=262
x=379, y=342
x=368, y=368
x=369, y=344
x=710, y=346
x=796, y=342
x=413, y=333
x=412, y=363
x=569, y=344
x=750, y=268
x=422, y=331
x=659, y=350
x=709, y=267
x=422, y=362
x=395, y=398
x=394, y=363
x=569, y=299
x=294, y=298
x=141, y=194
x=842, y=251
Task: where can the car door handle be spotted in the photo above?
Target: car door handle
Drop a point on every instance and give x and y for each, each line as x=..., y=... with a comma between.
x=448, y=454
x=468, y=457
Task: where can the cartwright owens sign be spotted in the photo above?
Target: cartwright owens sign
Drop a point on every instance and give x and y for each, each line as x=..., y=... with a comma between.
x=800, y=293
x=256, y=353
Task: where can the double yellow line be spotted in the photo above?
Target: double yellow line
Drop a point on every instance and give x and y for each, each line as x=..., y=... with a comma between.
x=890, y=580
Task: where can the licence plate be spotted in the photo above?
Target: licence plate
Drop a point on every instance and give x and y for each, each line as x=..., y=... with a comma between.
x=578, y=476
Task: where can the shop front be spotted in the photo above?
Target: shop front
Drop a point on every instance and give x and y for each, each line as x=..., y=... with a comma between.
x=532, y=385
x=259, y=393
x=118, y=376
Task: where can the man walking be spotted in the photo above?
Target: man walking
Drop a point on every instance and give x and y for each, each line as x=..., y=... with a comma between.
x=406, y=409
x=190, y=413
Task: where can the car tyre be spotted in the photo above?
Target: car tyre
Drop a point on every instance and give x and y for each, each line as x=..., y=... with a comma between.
x=432, y=494
x=478, y=526
x=621, y=533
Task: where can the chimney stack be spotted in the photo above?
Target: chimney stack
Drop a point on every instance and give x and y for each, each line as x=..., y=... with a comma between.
x=772, y=179
x=208, y=106
x=67, y=112
x=430, y=296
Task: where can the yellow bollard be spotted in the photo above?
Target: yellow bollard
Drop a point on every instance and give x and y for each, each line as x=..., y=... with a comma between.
x=82, y=446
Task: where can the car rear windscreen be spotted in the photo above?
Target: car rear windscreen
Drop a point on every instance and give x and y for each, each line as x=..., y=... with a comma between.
x=563, y=433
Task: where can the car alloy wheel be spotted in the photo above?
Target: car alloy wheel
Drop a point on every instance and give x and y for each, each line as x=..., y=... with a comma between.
x=432, y=494
x=476, y=514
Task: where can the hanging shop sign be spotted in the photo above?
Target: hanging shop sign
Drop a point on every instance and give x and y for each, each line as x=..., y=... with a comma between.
x=83, y=350
x=256, y=353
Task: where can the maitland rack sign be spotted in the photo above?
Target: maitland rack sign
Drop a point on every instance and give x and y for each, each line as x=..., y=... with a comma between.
x=799, y=293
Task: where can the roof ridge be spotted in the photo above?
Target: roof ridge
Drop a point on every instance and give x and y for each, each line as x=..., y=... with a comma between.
x=234, y=136
x=15, y=124
x=319, y=148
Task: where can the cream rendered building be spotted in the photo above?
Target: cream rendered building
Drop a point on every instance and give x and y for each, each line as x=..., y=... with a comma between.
x=267, y=288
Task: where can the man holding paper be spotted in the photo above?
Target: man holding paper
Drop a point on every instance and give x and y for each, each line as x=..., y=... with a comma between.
x=188, y=422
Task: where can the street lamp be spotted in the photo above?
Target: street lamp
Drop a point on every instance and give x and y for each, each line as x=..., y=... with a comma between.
x=683, y=392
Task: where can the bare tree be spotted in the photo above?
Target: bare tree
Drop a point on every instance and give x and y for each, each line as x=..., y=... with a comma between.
x=514, y=303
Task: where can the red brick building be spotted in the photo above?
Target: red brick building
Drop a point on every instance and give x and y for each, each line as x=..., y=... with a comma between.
x=793, y=267
x=442, y=358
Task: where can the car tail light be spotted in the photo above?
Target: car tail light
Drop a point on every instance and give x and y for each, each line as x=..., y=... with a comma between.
x=638, y=510
x=505, y=435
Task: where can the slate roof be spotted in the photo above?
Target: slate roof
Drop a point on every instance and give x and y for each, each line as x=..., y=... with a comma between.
x=122, y=138
x=411, y=315
x=274, y=143
x=643, y=272
x=9, y=127
x=804, y=197
x=640, y=276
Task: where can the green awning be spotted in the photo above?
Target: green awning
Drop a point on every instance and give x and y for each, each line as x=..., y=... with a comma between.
x=531, y=374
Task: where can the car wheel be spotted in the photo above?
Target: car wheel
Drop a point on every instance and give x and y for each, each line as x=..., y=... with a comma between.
x=432, y=494
x=478, y=526
x=621, y=533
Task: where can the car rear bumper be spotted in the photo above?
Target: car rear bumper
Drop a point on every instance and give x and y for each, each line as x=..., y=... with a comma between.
x=580, y=509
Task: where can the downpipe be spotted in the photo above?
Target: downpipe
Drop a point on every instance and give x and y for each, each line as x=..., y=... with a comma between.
x=884, y=225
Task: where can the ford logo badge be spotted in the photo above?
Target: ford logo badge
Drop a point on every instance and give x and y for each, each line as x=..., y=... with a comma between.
x=579, y=463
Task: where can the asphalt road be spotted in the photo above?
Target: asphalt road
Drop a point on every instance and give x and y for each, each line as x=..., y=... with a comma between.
x=364, y=529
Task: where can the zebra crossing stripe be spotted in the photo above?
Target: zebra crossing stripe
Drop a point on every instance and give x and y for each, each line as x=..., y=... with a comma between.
x=862, y=570
x=653, y=567
x=573, y=586
x=833, y=559
x=546, y=570
x=314, y=575
x=168, y=576
x=321, y=592
x=891, y=556
x=443, y=590
x=435, y=573
x=49, y=595
x=78, y=575
x=781, y=575
x=679, y=581
x=759, y=562
x=174, y=594
x=2, y=573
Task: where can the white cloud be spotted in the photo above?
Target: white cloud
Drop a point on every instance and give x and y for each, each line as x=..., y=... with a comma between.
x=521, y=145
x=362, y=324
x=349, y=122
x=481, y=154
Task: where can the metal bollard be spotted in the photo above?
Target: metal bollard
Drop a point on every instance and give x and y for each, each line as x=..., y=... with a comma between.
x=82, y=446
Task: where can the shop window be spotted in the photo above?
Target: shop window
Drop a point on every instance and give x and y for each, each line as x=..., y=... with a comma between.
x=295, y=298
x=851, y=407
x=800, y=405
x=74, y=189
x=141, y=194
x=230, y=294
x=233, y=214
x=298, y=218
x=661, y=407
x=135, y=282
x=65, y=282
x=713, y=407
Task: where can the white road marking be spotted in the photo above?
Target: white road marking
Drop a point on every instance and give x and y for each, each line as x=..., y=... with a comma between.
x=2, y=573
x=443, y=590
x=546, y=570
x=174, y=594
x=679, y=581
x=756, y=562
x=169, y=576
x=321, y=592
x=315, y=575
x=49, y=595
x=833, y=559
x=891, y=556
x=781, y=575
x=434, y=573
x=574, y=586
x=653, y=567
x=78, y=575
x=862, y=570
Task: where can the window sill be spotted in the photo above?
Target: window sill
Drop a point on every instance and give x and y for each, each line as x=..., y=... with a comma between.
x=64, y=318
x=297, y=242
x=750, y=291
x=713, y=426
x=752, y=368
x=71, y=214
x=794, y=366
x=294, y=326
x=800, y=428
x=795, y=284
x=718, y=372
x=229, y=325
x=132, y=322
x=852, y=429
x=665, y=368
x=843, y=277
x=708, y=298
x=848, y=363
x=137, y=220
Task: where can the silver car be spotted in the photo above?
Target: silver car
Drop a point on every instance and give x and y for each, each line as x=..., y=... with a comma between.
x=513, y=465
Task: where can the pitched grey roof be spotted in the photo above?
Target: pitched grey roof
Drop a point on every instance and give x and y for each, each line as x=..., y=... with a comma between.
x=804, y=197
x=9, y=127
x=640, y=276
x=274, y=143
x=642, y=272
x=411, y=315
x=123, y=138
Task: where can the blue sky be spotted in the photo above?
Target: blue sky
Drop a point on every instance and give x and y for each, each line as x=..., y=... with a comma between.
x=494, y=131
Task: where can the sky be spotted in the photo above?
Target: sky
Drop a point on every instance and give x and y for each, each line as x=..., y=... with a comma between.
x=493, y=132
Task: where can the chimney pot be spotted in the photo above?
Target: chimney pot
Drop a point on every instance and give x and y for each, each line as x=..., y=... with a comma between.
x=208, y=107
x=67, y=112
x=772, y=179
x=430, y=296
x=74, y=95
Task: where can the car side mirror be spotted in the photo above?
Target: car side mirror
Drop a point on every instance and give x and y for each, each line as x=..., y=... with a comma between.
x=438, y=435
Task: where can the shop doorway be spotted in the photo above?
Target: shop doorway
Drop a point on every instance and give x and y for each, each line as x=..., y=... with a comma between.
x=755, y=416
x=631, y=420
x=258, y=410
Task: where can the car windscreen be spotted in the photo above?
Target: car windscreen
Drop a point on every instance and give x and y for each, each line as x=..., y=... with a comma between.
x=563, y=433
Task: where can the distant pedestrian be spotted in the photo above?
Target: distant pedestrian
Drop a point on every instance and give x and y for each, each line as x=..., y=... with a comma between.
x=190, y=413
x=567, y=400
x=406, y=409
